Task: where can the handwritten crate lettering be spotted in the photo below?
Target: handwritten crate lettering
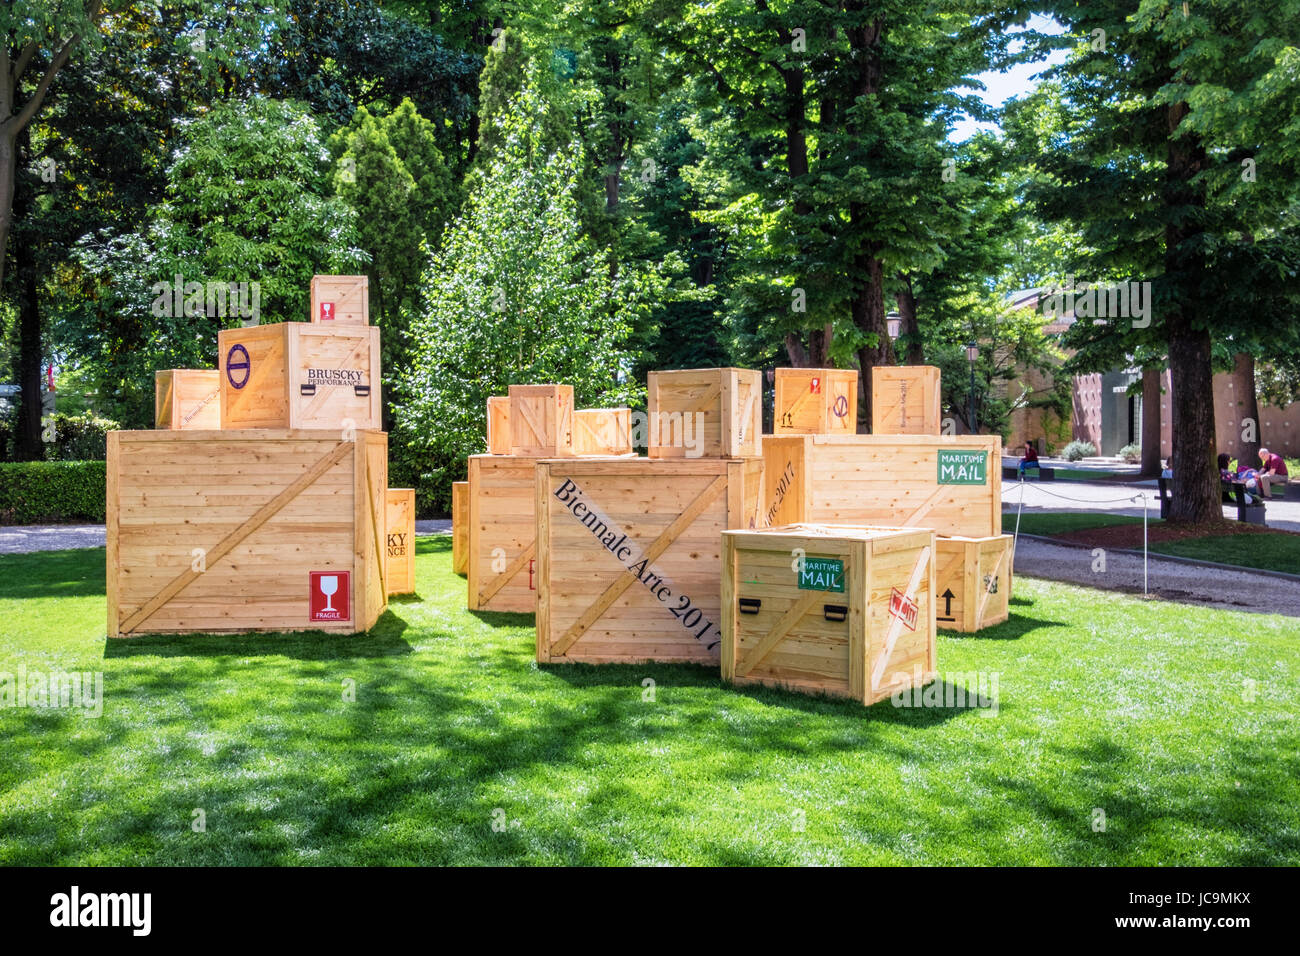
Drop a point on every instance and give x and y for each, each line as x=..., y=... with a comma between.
x=705, y=413
x=400, y=521
x=866, y=639
x=905, y=400
x=300, y=375
x=973, y=582
x=187, y=398
x=629, y=555
x=290, y=526
x=952, y=484
x=340, y=300
x=813, y=401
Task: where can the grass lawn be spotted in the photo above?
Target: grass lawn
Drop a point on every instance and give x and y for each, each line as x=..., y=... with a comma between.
x=1275, y=553
x=1083, y=474
x=1050, y=524
x=1178, y=722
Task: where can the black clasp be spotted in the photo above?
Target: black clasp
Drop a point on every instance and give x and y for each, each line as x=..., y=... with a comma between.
x=835, y=612
x=749, y=605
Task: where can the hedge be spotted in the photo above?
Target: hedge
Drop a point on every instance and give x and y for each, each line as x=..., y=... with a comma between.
x=38, y=492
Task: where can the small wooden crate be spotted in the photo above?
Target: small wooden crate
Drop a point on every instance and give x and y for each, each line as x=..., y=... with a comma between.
x=498, y=425
x=401, y=541
x=816, y=401
x=300, y=375
x=905, y=400
x=973, y=582
x=231, y=531
x=602, y=431
x=838, y=610
x=459, y=527
x=629, y=555
x=187, y=398
x=541, y=420
x=952, y=484
x=340, y=300
x=707, y=412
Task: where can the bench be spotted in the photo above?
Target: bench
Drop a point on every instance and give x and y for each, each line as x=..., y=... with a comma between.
x=1234, y=492
x=1012, y=473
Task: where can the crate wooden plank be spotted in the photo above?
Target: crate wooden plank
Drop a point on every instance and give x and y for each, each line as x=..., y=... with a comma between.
x=815, y=401
x=710, y=413
x=951, y=483
x=905, y=400
x=629, y=558
x=187, y=398
x=459, y=527
x=840, y=610
x=974, y=580
x=340, y=300
x=602, y=431
x=175, y=567
x=300, y=375
x=498, y=425
x=501, y=534
x=541, y=420
x=400, y=524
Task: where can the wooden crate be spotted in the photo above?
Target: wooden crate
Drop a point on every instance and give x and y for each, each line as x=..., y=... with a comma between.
x=973, y=586
x=707, y=412
x=300, y=375
x=400, y=570
x=228, y=531
x=498, y=425
x=187, y=398
x=501, y=536
x=541, y=420
x=629, y=555
x=816, y=401
x=905, y=400
x=840, y=610
x=602, y=431
x=889, y=480
x=340, y=300
x=459, y=527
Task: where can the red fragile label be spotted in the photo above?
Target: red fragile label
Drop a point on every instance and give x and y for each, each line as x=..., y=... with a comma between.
x=331, y=595
x=903, y=608
x=326, y=311
x=815, y=386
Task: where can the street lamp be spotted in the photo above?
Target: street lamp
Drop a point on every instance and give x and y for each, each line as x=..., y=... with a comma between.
x=893, y=324
x=972, y=353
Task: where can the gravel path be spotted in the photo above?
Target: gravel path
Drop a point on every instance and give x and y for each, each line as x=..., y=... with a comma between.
x=19, y=539
x=1168, y=580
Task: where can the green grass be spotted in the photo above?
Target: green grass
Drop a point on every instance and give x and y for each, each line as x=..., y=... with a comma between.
x=1275, y=552
x=1142, y=710
x=1083, y=474
x=1049, y=523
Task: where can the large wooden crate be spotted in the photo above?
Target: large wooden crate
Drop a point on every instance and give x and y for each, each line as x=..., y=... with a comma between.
x=952, y=484
x=541, y=420
x=815, y=401
x=973, y=586
x=501, y=553
x=602, y=431
x=340, y=300
x=300, y=375
x=187, y=398
x=459, y=527
x=905, y=400
x=400, y=524
x=839, y=610
x=707, y=412
x=629, y=555
x=498, y=425
x=232, y=531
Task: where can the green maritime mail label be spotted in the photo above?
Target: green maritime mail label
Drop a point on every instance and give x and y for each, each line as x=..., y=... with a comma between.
x=822, y=574
x=963, y=467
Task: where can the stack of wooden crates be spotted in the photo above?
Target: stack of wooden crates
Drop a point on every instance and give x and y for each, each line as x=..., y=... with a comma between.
x=260, y=501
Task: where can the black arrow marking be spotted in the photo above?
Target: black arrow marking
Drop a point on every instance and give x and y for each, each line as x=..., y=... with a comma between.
x=947, y=596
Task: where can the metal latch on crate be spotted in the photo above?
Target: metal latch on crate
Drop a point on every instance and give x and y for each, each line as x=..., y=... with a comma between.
x=749, y=605
x=308, y=388
x=835, y=612
x=361, y=391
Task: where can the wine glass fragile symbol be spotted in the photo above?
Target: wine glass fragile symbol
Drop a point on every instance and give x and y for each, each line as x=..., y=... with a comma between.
x=329, y=585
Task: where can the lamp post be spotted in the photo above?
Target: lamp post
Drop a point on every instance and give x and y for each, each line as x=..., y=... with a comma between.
x=972, y=353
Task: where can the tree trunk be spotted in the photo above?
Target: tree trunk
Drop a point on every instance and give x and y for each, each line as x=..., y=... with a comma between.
x=8, y=169
x=794, y=349
x=28, y=443
x=907, y=325
x=1243, y=374
x=1150, y=422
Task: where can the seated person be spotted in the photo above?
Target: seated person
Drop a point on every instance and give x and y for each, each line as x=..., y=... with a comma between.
x=1030, y=460
x=1272, y=470
x=1225, y=472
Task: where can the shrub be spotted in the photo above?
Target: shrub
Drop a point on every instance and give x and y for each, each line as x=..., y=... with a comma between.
x=80, y=437
x=1131, y=453
x=34, y=492
x=1078, y=449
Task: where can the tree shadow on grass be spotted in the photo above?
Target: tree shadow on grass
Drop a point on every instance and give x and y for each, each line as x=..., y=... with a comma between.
x=1012, y=629
x=383, y=640
x=52, y=574
x=505, y=618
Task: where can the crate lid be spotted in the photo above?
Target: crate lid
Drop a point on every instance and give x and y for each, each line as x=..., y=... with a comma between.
x=838, y=531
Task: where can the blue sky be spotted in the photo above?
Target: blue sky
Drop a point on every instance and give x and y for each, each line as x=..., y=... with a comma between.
x=1016, y=81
